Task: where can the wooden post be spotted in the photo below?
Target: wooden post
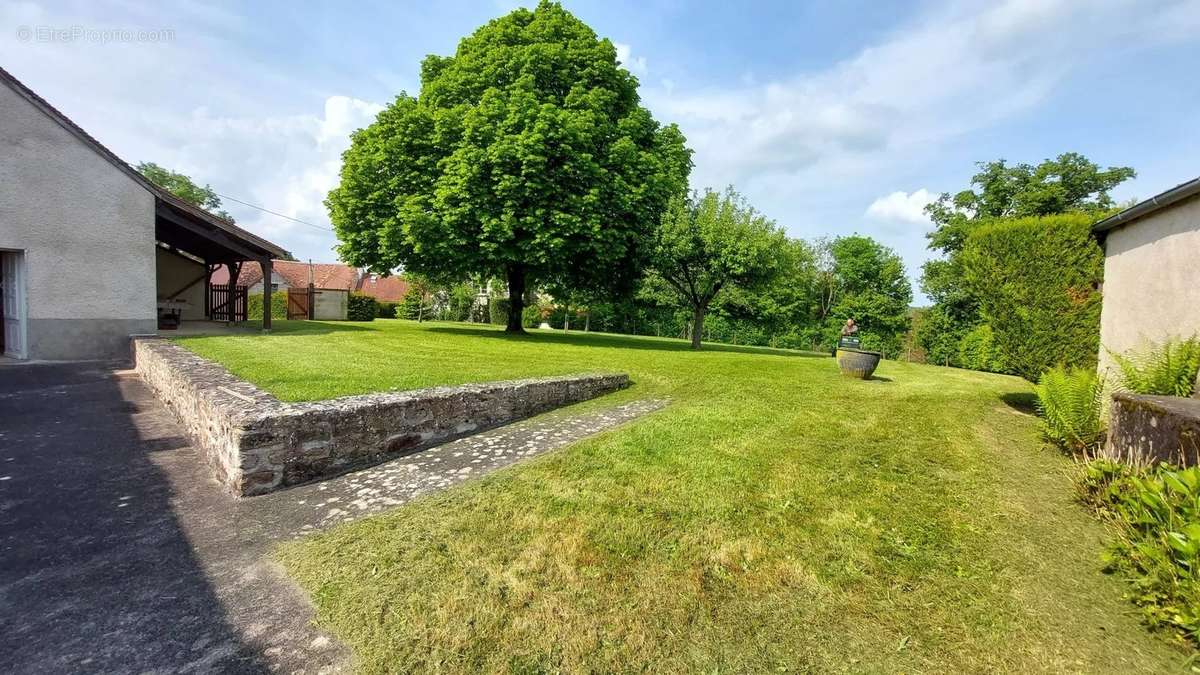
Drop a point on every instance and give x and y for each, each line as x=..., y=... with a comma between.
x=267, y=279
x=312, y=301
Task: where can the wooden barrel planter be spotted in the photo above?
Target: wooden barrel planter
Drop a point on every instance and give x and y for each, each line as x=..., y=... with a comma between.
x=857, y=363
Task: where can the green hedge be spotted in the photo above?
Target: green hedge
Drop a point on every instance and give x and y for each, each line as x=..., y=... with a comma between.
x=254, y=306
x=977, y=350
x=386, y=310
x=1037, y=281
x=361, y=307
x=498, y=311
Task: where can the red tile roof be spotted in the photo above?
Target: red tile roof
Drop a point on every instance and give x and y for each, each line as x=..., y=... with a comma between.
x=296, y=274
x=383, y=289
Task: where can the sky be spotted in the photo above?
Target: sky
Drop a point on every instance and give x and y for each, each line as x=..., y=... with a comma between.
x=832, y=118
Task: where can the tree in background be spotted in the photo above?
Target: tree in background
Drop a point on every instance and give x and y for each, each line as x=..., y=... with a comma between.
x=1069, y=183
x=873, y=289
x=710, y=242
x=526, y=155
x=1037, y=281
x=185, y=188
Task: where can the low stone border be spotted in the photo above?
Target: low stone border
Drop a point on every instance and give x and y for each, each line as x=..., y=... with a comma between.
x=257, y=443
x=1146, y=430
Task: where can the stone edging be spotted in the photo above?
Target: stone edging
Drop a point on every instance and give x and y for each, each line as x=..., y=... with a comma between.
x=257, y=443
x=1144, y=430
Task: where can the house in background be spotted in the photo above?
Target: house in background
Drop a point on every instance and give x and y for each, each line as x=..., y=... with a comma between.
x=1151, y=271
x=91, y=251
x=331, y=282
x=383, y=289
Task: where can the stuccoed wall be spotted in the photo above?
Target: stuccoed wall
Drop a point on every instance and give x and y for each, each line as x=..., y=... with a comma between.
x=87, y=230
x=1151, y=280
x=174, y=272
x=257, y=443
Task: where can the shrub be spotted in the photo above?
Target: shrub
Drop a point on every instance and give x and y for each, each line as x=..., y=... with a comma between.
x=498, y=311
x=1167, y=369
x=1070, y=403
x=361, y=307
x=386, y=310
x=977, y=350
x=531, y=316
x=254, y=306
x=1157, y=515
x=1037, y=283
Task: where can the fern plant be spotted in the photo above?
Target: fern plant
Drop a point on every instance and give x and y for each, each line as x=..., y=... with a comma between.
x=1070, y=403
x=1166, y=369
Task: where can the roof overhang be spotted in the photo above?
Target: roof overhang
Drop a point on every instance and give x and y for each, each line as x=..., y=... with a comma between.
x=214, y=242
x=1142, y=209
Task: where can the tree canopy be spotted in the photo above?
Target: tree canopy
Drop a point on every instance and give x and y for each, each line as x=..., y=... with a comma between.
x=710, y=242
x=184, y=187
x=526, y=155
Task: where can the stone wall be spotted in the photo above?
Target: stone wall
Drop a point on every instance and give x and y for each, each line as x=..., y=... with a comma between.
x=256, y=443
x=1150, y=429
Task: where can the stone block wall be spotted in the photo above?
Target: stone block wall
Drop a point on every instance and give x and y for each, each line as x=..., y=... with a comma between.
x=1146, y=430
x=256, y=443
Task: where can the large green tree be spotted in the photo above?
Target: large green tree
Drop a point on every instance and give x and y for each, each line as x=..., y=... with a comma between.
x=711, y=242
x=873, y=289
x=526, y=155
x=184, y=187
x=1069, y=183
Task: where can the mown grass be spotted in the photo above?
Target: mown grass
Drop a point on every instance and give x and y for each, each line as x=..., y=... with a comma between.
x=776, y=517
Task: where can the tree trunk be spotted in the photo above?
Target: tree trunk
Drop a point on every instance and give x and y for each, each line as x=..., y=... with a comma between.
x=567, y=318
x=697, y=326
x=587, y=321
x=516, y=299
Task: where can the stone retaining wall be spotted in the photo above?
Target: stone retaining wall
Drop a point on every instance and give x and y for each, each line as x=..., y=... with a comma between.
x=1150, y=429
x=257, y=443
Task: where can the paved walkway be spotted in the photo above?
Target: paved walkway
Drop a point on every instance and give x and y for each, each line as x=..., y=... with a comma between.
x=119, y=554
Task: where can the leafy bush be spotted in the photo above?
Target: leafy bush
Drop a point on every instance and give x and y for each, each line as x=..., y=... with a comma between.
x=386, y=310
x=1167, y=369
x=254, y=306
x=531, y=316
x=977, y=350
x=1070, y=402
x=498, y=311
x=361, y=307
x=1157, y=514
x=1037, y=283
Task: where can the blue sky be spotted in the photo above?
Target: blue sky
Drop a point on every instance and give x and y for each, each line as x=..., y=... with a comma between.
x=832, y=117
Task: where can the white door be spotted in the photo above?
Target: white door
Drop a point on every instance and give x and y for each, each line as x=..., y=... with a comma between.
x=12, y=288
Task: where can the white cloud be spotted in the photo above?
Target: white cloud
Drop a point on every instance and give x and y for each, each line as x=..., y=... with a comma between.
x=949, y=72
x=635, y=65
x=907, y=207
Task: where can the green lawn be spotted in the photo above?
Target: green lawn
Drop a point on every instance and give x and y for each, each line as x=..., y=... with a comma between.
x=776, y=517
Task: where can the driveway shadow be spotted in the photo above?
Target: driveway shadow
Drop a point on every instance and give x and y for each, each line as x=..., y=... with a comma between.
x=96, y=572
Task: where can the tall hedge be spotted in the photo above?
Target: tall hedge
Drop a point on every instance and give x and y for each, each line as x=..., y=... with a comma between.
x=361, y=307
x=254, y=306
x=1038, y=280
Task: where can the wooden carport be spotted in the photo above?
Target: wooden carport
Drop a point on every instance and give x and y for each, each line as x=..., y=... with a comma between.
x=215, y=241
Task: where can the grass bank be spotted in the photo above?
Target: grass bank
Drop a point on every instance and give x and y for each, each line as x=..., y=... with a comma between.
x=775, y=517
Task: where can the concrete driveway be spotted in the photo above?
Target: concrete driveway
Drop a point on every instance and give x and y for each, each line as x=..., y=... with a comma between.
x=120, y=554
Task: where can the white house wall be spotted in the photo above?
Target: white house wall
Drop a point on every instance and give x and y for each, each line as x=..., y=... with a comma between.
x=175, y=272
x=1151, y=280
x=87, y=232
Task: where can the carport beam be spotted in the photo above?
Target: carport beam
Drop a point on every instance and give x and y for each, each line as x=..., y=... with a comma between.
x=267, y=278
